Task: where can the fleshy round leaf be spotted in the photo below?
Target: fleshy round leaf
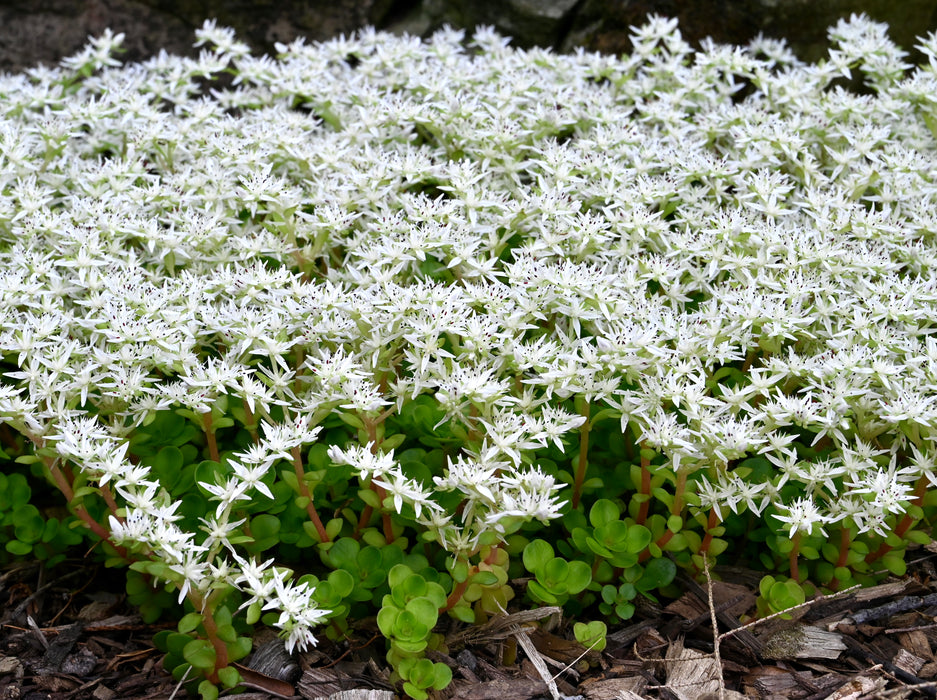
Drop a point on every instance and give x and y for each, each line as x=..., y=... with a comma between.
x=603, y=511
x=229, y=676
x=541, y=594
x=537, y=554
x=189, y=622
x=637, y=538
x=485, y=578
x=578, y=577
x=657, y=573
x=201, y=654
x=207, y=690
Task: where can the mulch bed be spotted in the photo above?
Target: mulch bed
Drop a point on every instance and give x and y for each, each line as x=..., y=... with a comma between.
x=73, y=636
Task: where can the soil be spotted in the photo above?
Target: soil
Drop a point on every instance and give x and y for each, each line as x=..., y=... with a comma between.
x=69, y=634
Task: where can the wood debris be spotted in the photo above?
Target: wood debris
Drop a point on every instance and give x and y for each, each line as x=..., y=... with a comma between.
x=803, y=642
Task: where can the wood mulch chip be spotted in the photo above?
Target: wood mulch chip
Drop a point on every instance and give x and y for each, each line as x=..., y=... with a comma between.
x=72, y=636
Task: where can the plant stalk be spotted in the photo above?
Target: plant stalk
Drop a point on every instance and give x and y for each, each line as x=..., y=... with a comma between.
x=583, y=456
x=207, y=426
x=304, y=492
x=645, y=488
x=920, y=490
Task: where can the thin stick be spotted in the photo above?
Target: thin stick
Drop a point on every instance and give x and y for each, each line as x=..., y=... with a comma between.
x=806, y=604
x=715, y=623
x=904, y=688
x=537, y=660
x=577, y=659
x=181, y=681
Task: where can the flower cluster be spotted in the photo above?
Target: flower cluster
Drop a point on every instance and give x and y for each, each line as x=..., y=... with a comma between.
x=727, y=251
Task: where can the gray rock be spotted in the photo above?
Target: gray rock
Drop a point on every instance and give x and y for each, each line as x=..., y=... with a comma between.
x=804, y=22
x=261, y=23
x=47, y=30
x=529, y=22
x=603, y=25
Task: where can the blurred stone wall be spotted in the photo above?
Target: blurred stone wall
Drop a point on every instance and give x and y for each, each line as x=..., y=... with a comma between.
x=43, y=31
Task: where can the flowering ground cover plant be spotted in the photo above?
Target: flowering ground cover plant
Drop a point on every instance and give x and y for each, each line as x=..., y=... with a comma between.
x=412, y=329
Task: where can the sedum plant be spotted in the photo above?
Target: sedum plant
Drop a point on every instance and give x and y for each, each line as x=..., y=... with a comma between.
x=382, y=326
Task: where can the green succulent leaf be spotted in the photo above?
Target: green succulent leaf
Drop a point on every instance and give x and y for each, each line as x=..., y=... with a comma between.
x=895, y=563
x=18, y=548
x=591, y=635
x=201, y=654
x=409, y=626
x=387, y=619
x=540, y=593
x=414, y=692
x=536, y=555
x=207, y=690
x=229, y=677
x=579, y=577
x=783, y=595
x=425, y=610
x=637, y=539
x=657, y=574
x=189, y=622
x=603, y=512
x=239, y=648
x=485, y=578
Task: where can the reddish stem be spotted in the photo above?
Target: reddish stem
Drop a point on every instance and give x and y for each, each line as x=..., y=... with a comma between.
x=300, y=359
x=371, y=428
x=250, y=422
x=98, y=529
x=304, y=492
x=920, y=489
x=388, y=527
x=211, y=630
x=213, y=453
x=792, y=558
x=385, y=516
x=366, y=513
x=845, y=538
x=453, y=599
x=63, y=484
x=675, y=509
x=109, y=500
x=645, y=489
x=66, y=488
x=712, y=522
x=474, y=434
x=679, y=489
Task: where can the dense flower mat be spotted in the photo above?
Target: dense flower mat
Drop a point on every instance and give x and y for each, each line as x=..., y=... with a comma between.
x=415, y=319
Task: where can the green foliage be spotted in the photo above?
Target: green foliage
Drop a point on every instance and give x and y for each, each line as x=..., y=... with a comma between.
x=406, y=619
x=779, y=594
x=486, y=588
x=25, y=531
x=151, y=598
x=591, y=634
x=190, y=654
x=555, y=578
x=616, y=601
x=618, y=541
